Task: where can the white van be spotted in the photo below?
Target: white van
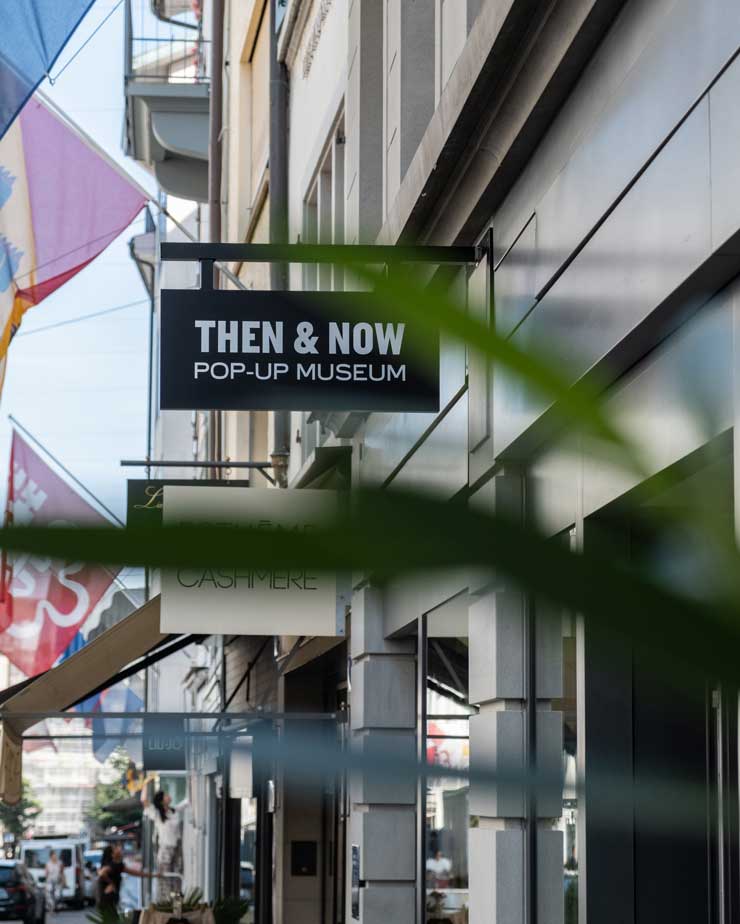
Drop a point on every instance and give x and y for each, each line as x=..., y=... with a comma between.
x=35, y=854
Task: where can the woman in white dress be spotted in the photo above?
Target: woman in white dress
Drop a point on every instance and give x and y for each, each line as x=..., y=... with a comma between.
x=167, y=820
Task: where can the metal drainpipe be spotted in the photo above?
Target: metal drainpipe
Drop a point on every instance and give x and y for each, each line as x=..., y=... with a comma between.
x=215, y=118
x=279, y=222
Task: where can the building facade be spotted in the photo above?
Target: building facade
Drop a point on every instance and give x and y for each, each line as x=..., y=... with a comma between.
x=589, y=146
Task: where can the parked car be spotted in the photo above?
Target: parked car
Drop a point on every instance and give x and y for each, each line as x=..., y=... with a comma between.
x=35, y=854
x=21, y=898
x=246, y=881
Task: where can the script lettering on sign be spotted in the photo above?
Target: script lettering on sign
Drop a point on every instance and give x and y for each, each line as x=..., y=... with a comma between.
x=235, y=350
x=145, y=496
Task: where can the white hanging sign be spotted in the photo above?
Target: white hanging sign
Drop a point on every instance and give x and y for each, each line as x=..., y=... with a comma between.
x=246, y=600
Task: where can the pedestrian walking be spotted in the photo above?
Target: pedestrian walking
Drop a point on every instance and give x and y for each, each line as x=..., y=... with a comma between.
x=112, y=868
x=54, y=876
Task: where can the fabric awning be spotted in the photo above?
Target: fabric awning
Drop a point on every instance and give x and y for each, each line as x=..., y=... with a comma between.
x=69, y=682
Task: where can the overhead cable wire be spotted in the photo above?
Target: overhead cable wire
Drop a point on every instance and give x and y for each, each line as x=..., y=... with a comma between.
x=82, y=317
x=53, y=80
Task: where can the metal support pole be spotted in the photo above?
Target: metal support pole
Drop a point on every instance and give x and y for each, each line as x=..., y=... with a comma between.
x=197, y=463
x=214, y=180
x=237, y=715
x=531, y=753
x=149, y=420
x=194, y=463
x=421, y=753
x=150, y=373
x=16, y=423
x=215, y=115
x=279, y=280
x=346, y=254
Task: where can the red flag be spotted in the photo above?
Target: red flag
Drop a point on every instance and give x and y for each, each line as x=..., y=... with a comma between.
x=46, y=601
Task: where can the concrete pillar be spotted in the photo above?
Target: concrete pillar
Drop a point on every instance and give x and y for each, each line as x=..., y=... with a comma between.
x=499, y=660
x=408, y=86
x=383, y=809
x=454, y=20
x=364, y=121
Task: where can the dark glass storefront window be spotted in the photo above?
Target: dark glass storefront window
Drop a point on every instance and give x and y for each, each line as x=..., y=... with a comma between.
x=447, y=813
x=567, y=706
x=568, y=821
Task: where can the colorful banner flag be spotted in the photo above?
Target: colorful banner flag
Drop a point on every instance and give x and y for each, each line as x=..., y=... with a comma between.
x=110, y=733
x=33, y=34
x=45, y=602
x=61, y=204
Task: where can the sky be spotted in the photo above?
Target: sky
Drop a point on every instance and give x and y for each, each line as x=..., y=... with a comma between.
x=81, y=388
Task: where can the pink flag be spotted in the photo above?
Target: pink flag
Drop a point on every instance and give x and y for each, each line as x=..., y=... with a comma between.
x=45, y=601
x=61, y=204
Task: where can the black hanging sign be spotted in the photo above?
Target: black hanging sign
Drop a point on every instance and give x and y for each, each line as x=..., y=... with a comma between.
x=301, y=351
x=145, y=496
x=164, y=744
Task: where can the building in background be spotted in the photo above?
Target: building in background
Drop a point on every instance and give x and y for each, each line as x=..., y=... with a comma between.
x=595, y=166
x=63, y=777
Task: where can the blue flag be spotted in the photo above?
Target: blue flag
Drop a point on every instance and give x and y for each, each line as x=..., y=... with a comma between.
x=32, y=36
x=110, y=733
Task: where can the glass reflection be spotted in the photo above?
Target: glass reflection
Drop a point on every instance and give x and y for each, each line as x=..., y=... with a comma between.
x=447, y=813
x=568, y=821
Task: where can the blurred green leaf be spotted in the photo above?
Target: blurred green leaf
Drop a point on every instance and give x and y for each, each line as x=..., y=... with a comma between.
x=405, y=293
x=387, y=534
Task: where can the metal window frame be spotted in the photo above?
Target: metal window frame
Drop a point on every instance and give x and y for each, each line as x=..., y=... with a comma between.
x=421, y=784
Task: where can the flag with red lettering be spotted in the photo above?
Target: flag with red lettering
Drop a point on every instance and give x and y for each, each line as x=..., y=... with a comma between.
x=45, y=602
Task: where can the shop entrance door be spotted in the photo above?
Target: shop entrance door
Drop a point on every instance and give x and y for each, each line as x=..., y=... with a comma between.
x=660, y=762
x=672, y=789
x=335, y=815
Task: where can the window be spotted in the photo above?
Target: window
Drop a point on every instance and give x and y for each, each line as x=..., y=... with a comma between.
x=323, y=213
x=323, y=223
x=175, y=786
x=38, y=857
x=446, y=818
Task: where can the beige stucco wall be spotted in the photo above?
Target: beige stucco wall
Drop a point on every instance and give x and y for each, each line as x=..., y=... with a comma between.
x=246, y=115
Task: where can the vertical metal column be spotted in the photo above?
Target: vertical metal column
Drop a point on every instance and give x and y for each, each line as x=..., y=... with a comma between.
x=214, y=175
x=278, y=159
x=421, y=789
x=215, y=119
x=530, y=713
x=729, y=741
x=261, y=771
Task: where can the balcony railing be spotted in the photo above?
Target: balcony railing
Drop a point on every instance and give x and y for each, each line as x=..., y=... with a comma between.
x=173, y=60
x=163, y=52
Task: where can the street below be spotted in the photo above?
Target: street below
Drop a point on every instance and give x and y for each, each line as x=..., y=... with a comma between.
x=69, y=916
